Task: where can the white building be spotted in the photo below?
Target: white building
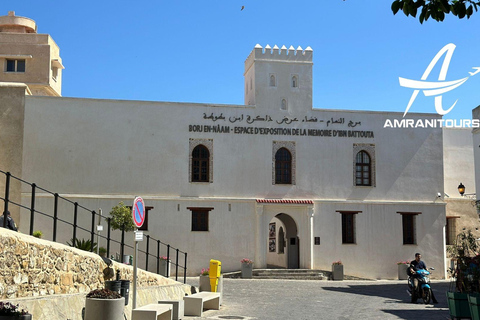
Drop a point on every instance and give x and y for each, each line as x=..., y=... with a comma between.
x=274, y=180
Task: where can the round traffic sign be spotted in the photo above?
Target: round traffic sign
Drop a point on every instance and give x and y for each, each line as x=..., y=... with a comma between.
x=138, y=212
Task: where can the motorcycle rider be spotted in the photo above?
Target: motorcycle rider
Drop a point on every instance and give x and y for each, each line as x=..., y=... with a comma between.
x=416, y=265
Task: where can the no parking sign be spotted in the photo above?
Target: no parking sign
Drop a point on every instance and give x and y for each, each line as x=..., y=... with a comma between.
x=138, y=212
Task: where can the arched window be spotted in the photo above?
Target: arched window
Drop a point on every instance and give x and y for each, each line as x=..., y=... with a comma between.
x=283, y=167
x=284, y=104
x=272, y=80
x=200, y=164
x=294, y=82
x=363, y=171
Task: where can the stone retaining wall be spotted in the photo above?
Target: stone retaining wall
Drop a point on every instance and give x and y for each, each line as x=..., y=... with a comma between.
x=32, y=269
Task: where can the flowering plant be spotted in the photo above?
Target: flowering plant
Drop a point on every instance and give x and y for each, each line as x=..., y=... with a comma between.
x=403, y=262
x=205, y=272
x=8, y=309
x=337, y=262
x=247, y=261
x=163, y=258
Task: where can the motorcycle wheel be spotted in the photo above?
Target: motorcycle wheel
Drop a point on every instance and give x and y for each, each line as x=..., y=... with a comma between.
x=426, y=295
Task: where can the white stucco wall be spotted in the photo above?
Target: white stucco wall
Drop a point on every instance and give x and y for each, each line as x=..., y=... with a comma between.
x=93, y=147
x=98, y=152
x=458, y=161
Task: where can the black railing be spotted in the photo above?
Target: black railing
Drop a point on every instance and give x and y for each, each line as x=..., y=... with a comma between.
x=63, y=215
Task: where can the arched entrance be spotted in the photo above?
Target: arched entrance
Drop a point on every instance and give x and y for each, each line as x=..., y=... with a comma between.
x=283, y=243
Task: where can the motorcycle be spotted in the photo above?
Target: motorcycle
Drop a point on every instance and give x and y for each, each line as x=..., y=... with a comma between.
x=424, y=290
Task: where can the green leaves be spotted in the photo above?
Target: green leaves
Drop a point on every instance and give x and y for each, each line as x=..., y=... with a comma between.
x=436, y=9
x=83, y=244
x=396, y=6
x=122, y=218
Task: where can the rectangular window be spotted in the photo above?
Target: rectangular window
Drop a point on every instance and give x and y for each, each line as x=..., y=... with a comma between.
x=15, y=65
x=348, y=226
x=451, y=230
x=54, y=73
x=408, y=227
x=200, y=218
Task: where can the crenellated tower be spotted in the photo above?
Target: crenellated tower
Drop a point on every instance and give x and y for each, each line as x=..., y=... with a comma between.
x=28, y=57
x=279, y=78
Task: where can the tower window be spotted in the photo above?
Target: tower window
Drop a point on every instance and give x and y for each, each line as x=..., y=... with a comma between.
x=12, y=65
x=273, y=82
x=294, y=82
x=54, y=73
x=284, y=104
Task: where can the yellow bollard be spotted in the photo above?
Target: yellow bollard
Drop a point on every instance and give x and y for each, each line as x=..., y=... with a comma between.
x=215, y=270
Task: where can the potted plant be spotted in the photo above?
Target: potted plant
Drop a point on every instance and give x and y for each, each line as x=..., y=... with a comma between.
x=204, y=282
x=164, y=262
x=247, y=268
x=402, y=269
x=463, y=299
x=9, y=311
x=104, y=304
x=337, y=270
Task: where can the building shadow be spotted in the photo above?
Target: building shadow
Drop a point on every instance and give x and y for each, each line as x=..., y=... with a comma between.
x=408, y=314
x=396, y=293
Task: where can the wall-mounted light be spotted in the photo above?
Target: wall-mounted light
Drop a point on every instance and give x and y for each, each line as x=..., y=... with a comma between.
x=461, y=189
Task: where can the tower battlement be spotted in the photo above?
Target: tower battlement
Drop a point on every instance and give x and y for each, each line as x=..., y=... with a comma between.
x=279, y=78
x=279, y=54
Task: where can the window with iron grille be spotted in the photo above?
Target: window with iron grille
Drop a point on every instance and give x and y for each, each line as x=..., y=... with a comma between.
x=283, y=167
x=200, y=164
x=363, y=169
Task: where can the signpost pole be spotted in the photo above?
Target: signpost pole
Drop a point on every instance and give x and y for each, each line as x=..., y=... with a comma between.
x=135, y=271
x=138, y=214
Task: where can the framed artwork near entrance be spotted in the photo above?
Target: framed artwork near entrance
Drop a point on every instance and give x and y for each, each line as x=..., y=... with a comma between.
x=271, y=230
x=272, y=245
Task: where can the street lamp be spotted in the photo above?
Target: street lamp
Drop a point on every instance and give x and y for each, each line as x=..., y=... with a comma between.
x=461, y=189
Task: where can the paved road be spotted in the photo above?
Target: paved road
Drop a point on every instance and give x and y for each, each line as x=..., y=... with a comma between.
x=313, y=300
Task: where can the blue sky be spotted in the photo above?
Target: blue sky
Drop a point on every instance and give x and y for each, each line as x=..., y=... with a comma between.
x=194, y=51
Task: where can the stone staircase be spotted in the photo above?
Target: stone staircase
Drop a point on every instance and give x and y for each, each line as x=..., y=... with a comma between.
x=291, y=274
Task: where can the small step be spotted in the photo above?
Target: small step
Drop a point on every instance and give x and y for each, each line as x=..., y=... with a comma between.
x=290, y=274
